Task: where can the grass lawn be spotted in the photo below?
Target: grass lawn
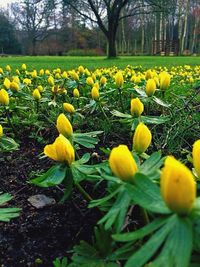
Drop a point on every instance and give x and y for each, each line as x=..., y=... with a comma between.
x=67, y=63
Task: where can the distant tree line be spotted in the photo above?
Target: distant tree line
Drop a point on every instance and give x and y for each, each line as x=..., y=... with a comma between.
x=57, y=27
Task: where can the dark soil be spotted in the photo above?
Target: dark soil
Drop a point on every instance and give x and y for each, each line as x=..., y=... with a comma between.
x=38, y=236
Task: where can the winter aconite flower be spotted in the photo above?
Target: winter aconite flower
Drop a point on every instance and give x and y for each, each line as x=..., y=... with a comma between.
x=150, y=87
x=36, y=94
x=122, y=163
x=61, y=150
x=164, y=80
x=178, y=187
x=95, y=93
x=196, y=157
x=142, y=138
x=137, y=107
x=64, y=126
x=6, y=83
x=76, y=93
x=119, y=80
x=68, y=107
x=4, y=97
x=1, y=131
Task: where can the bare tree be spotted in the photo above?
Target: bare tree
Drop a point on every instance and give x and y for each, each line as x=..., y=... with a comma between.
x=33, y=17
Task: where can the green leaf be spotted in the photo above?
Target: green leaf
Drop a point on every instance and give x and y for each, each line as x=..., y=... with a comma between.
x=154, y=119
x=116, y=215
x=88, y=140
x=146, y=193
x=148, y=249
x=7, y=213
x=120, y=114
x=160, y=102
x=8, y=144
x=54, y=176
x=139, y=234
x=178, y=246
x=151, y=166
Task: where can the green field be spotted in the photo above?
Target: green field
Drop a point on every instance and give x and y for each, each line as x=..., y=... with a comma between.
x=67, y=63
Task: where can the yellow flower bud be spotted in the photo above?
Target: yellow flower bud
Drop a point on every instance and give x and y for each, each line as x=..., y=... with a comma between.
x=137, y=107
x=64, y=75
x=64, y=126
x=76, y=93
x=14, y=86
x=8, y=68
x=36, y=94
x=95, y=93
x=47, y=72
x=103, y=80
x=81, y=69
x=23, y=67
x=6, y=83
x=41, y=72
x=57, y=75
x=90, y=81
x=68, y=107
x=34, y=74
x=17, y=72
x=4, y=97
x=122, y=163
x=51, y=80
x=150, y=87
x=196, y=157
x=164, y=80
x=1, y=130
x=75, y=76
x=40, y=88
x=178, y=187
x=119, y=80
x=1, y=71
x=142, y=138
x=61, y=150
x=27, y=81
x=148, y=75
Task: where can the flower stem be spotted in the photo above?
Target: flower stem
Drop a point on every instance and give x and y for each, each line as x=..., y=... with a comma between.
x=121, y=101
x=83, y=192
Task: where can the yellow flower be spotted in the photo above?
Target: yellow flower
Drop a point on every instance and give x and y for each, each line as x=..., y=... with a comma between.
x=103, y=80
x=164, y=80
x=41, y=72
x=6, y=83
x=61, y=150
x=36, y=94
x=81, y=69
x=196, y=157
x=17, y=72
x=1, y=71
x=148, y=75
x=51, y=80
x=122, y=163
x=1, y=130
x=136, y=107
x=95, y=93
x=90, y=81
x=40, y=88
x=64, y=75
x=14, y=86
x=64, y=126
x=119, y=80
x=76, y=93
x=4, y=97
x=68, y=107
x=8, y=68
x=142, y=138
x=34, y=74
x=27, y=81
x=177, y=185
x=150, y=87
x=23, y=67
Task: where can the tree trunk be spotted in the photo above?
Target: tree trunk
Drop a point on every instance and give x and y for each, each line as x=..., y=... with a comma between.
x=112, y=52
